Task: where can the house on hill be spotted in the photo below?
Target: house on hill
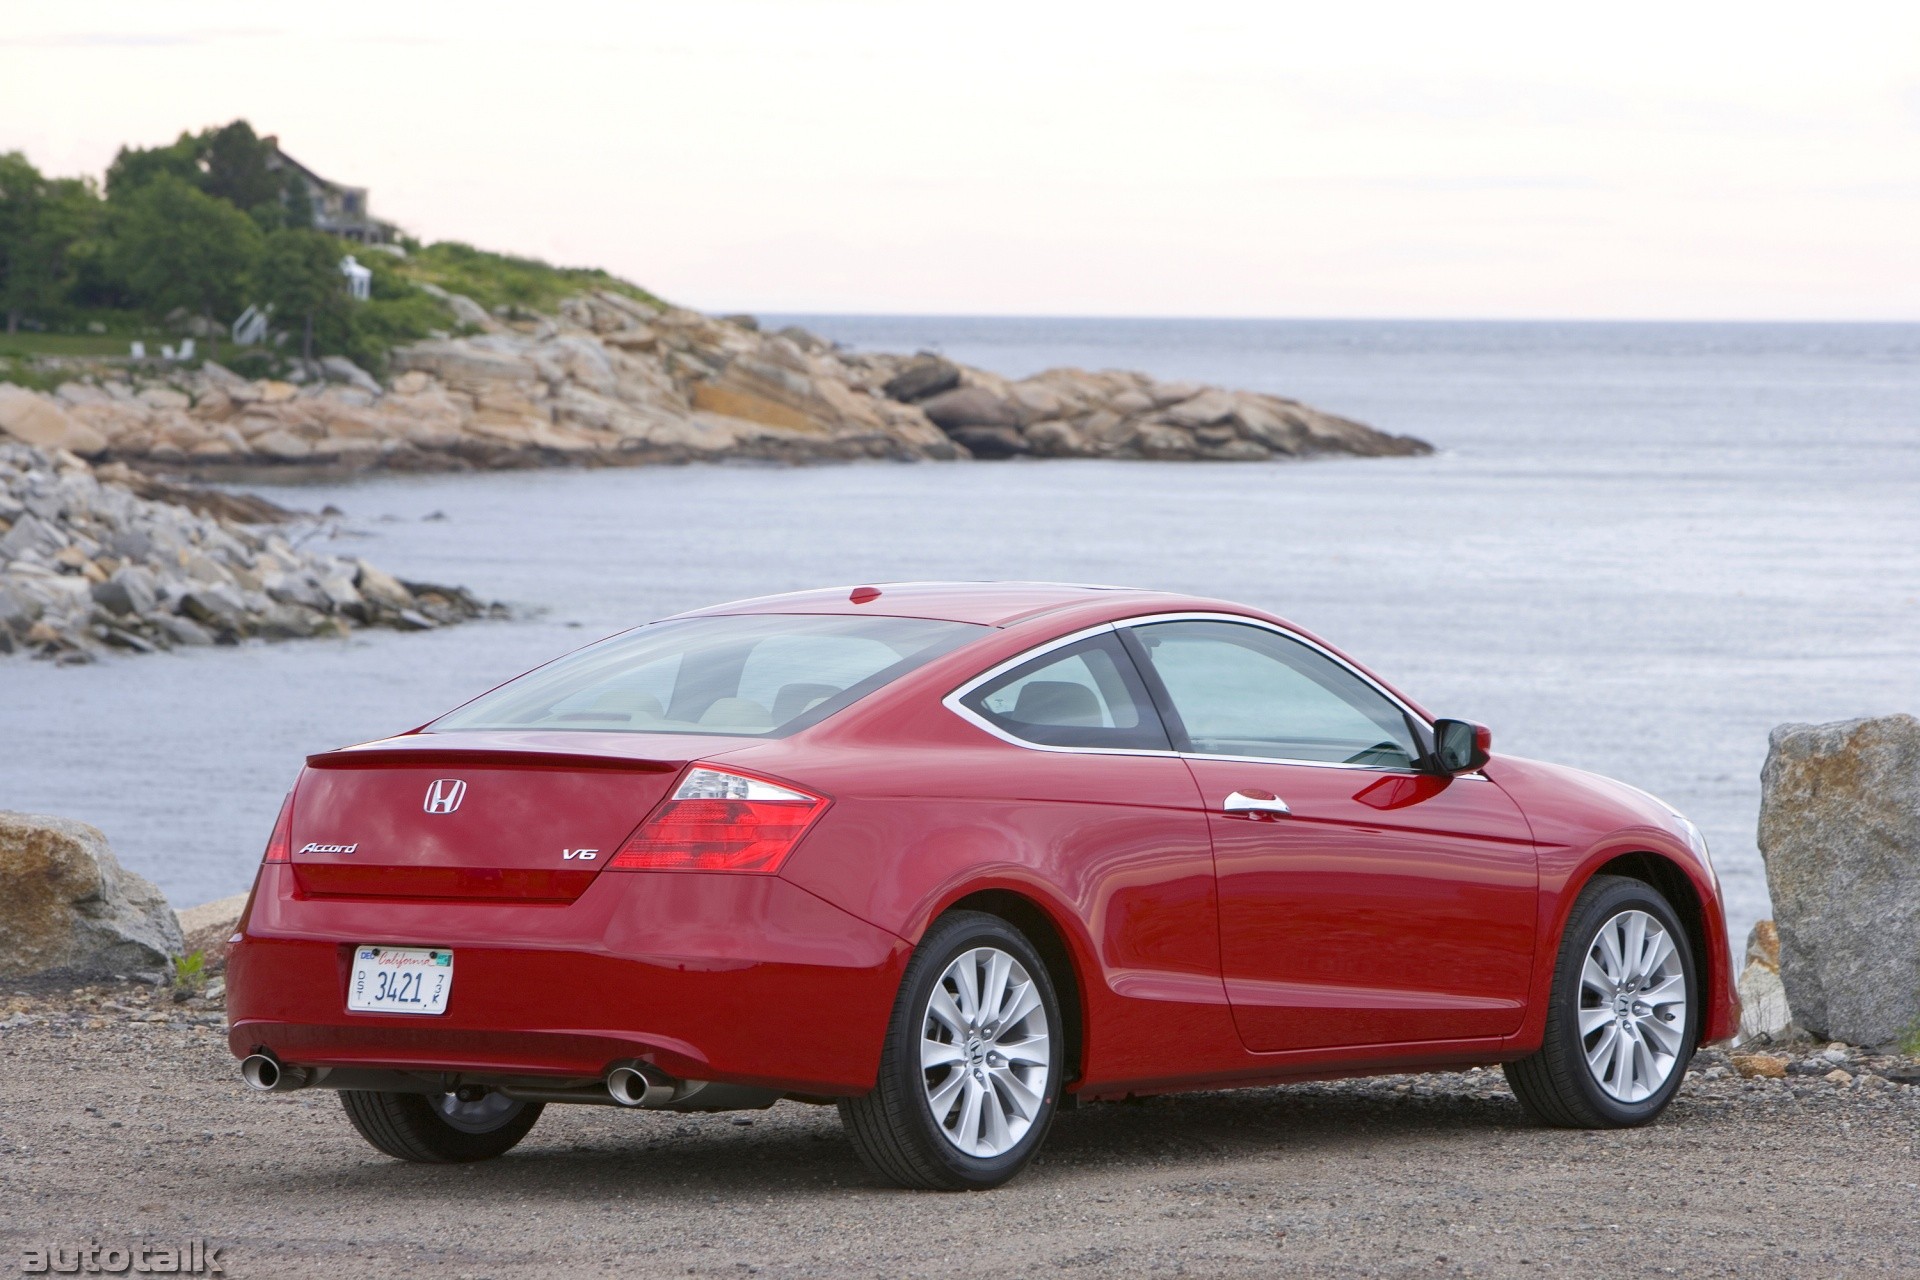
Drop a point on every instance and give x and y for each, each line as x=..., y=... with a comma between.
x=337, y=208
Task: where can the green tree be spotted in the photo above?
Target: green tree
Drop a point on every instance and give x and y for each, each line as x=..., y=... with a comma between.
x=234, y=163
x=22, y=189
x=229, y=162
x=134, y=167
x=178, y=247
x=299, y=273
x=43, y=224
x=299, y=200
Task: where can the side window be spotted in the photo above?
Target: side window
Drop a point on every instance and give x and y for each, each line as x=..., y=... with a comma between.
x=1246, y=691
x=1087, y=694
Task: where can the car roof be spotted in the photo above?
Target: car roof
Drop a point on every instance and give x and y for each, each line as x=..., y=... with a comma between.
x=994, y=604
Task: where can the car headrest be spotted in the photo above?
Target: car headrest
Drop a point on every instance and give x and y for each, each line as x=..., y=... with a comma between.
x=1058, y=702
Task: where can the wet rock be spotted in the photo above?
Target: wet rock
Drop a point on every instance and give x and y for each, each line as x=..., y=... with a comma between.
x=215, y=605
x=1840, y=835
x=969, y=407
x=991, y=442
x=380, y=587
x=1058, y=440
x=923, y=376
x=67, y=905
x=184, y=631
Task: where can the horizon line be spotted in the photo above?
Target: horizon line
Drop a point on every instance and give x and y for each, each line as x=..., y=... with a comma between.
x=1298, y=319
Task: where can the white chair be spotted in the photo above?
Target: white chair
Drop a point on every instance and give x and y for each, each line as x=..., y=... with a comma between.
x=359, y=278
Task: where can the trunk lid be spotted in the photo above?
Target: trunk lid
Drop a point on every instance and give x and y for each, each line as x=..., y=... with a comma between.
x=528, y=817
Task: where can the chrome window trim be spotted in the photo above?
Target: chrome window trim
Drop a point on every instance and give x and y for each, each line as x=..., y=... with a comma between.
x=954, y=704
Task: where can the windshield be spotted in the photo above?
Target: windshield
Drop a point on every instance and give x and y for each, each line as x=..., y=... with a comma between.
x=751, y=675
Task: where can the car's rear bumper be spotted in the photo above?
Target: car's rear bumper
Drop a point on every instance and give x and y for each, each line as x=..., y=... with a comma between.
x=743, y=979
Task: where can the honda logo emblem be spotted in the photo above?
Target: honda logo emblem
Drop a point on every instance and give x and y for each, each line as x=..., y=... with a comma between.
x=445, y=795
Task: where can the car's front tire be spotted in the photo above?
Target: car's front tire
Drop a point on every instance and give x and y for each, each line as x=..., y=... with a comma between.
x=971, y=1070
x=1624, y=1013
x=439, y=1129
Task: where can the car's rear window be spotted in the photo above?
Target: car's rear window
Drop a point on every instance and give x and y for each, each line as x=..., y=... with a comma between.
x=750, y=675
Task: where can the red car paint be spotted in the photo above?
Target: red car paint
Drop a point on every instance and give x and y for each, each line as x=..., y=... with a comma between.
x=1396, y=921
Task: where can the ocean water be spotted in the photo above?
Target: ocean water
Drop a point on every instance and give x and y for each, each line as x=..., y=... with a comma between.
x=1640, y=547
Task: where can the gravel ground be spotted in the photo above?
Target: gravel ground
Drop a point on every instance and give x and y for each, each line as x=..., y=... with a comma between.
x=121, y=1122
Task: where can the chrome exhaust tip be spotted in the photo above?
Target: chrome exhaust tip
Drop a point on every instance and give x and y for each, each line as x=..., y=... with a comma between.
x=629, y=1086
x=260, y=1072
x=264, y=1073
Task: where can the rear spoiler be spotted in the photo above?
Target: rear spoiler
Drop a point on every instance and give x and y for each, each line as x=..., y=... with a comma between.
x=382, y=757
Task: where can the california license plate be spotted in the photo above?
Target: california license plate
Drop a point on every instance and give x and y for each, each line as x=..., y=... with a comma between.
x=400, y=980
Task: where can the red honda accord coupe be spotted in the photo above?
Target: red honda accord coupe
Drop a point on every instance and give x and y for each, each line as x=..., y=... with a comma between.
x=948, y=855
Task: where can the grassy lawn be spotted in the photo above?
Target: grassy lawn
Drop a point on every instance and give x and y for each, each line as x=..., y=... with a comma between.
x=396, y=314
x=497, y=279
x=75, y=344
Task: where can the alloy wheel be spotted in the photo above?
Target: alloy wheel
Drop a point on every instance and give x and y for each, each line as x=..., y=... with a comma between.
x=985, y=1052
x=1633, y=1006
x=483, y=1114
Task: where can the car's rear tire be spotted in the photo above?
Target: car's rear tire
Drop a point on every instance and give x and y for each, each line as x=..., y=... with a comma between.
x=971, y=1070
x=430, y=1129
x=1623, y=1016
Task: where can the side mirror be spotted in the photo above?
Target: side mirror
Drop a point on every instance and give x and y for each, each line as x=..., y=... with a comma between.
x=1460, y=746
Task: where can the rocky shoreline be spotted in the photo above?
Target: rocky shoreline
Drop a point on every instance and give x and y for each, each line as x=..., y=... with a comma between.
x=88, y=565
x=609, y=380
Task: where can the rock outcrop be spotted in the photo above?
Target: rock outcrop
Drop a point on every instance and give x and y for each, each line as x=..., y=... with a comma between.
x=67, y=905
x=86, y=564
x=609, y=381
x=1071, y=413
x=1840, y=834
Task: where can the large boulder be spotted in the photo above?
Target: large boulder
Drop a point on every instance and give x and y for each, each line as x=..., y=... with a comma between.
x=469, y=365
x=923, y=376
x=40, y=421
x=1840, y=833
x=68, y=906
x=970, y=407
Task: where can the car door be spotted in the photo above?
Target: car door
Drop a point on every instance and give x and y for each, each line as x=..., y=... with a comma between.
x=1362, y=901
x=1113, y=819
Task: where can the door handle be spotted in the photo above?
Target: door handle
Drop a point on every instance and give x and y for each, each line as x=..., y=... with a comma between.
x=1256, y=803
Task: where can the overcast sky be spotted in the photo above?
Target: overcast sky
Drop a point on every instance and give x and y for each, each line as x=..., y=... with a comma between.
x=1181, y=158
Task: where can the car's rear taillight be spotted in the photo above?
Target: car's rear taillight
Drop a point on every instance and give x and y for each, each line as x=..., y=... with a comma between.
x=718, y=821
x=280, y=843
